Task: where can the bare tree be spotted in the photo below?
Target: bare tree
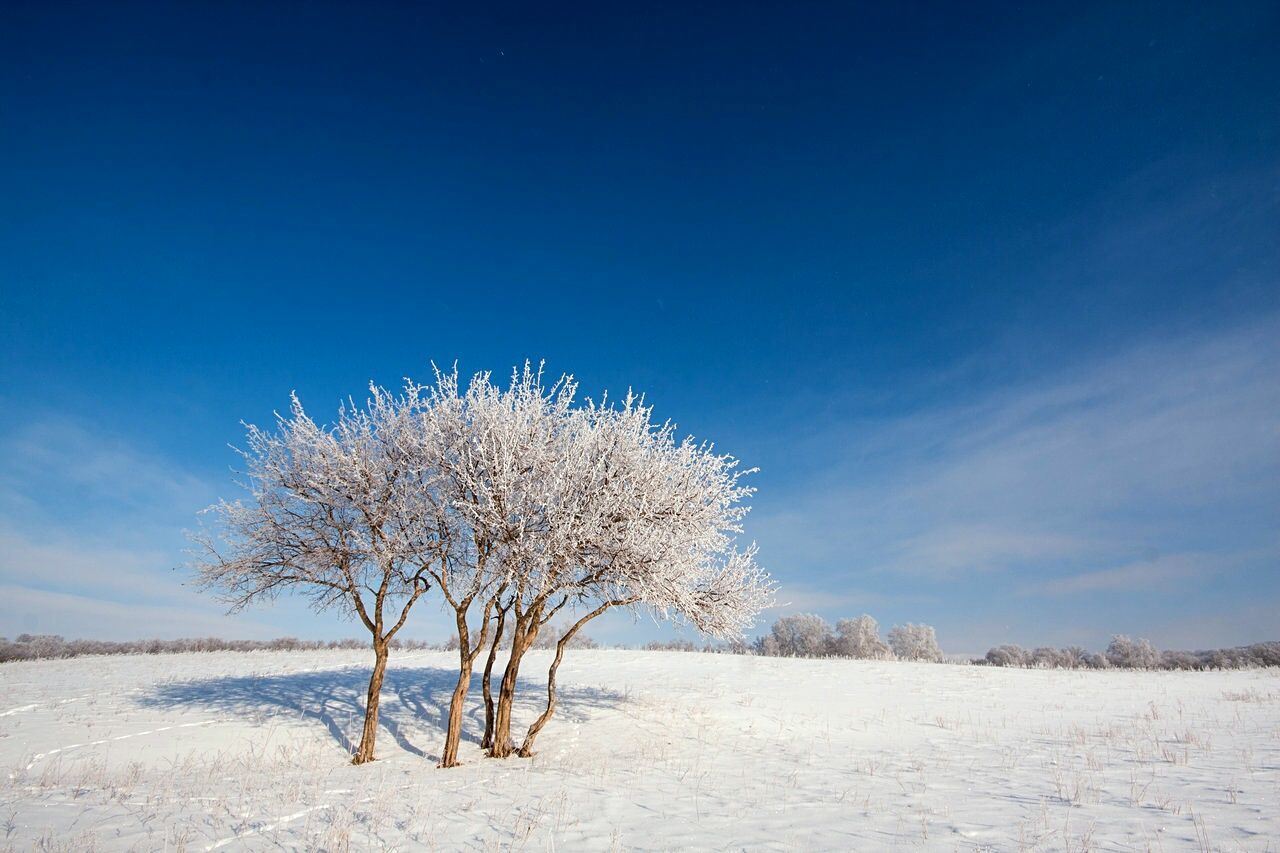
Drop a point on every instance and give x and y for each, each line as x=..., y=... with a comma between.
x=344, y=514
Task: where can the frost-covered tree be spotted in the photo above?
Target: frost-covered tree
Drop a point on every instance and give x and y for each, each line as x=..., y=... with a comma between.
x=1047, y=657
x=767, y=646
x=514, y=480
x=1008, y=655
x=1129, y=653
x=493, y=449
x=1074, y=657
x=631, y=518
x=802, y=635
x=860, y=638
x=914, y=642
x=1263, y=654
x=550, y=636
x=343, y=514
x=510, y=501
x=1179, y=660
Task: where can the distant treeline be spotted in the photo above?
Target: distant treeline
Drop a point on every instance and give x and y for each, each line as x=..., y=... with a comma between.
x=47, y=646
x=42, y=646
x=1125, y=652
x=809, y=636
x=804, y=635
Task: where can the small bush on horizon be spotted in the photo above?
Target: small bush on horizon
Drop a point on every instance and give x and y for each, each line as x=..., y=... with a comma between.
x=915, y=642
x=1124, y=652
x=804, y=635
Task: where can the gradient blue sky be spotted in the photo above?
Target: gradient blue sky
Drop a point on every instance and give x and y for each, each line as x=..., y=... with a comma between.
x=989, y=294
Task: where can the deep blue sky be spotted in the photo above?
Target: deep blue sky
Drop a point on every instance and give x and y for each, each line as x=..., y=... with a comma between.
x=990, y=294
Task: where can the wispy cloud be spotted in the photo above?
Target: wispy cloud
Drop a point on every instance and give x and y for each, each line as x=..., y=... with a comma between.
x=959, y=549
x=1149, y=575
x=56, y=469
x=86, y=565
x=802, y=598
x=91, y=543
x=27, y=610
x=1160, y=462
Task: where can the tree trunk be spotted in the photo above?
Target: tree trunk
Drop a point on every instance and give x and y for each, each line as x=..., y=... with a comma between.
x=364, y=753
x=454, y=733
x=522, y=638
x=526, y=748
x=467, y=655
x=487, y=686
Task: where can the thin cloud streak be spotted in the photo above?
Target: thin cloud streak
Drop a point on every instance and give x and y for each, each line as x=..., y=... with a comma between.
x=93, y=544
x=1093, y=481
x=88, y=566
x=56, y=470
x=1144, y=574
x=37, y=611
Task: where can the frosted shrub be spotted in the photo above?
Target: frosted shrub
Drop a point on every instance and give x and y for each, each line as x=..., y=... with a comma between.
x=1128, y=653
x=1264, y=654
x=767, y=646
x=551, y=635
x=809, y=635
x=915, y=642
x=1007, y=655
x=1179, y=660
x=1047, y=657
x=860, y=638
x=1074, y=657
x=678, y=645
x=804, y=635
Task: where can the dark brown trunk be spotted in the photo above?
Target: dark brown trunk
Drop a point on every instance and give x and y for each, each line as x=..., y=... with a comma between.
x=526, y=631
x=454, y=733
x=364, y=752
x=526, y=748
x=467, y=655
x=487, y=685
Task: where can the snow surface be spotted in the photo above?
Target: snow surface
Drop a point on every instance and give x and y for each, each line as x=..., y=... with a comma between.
x=649, y=750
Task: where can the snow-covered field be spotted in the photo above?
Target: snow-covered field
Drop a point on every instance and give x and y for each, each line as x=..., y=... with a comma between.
x=650, y=750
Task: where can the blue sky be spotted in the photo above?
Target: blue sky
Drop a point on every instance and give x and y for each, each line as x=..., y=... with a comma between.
x=990, y=298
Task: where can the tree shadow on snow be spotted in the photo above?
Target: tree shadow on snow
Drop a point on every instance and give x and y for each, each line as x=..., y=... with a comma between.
x=415, y=702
